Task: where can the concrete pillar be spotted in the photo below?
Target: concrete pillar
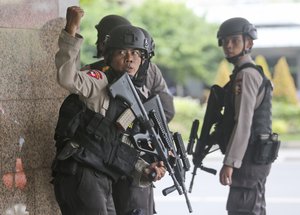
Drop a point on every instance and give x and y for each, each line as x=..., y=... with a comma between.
x=29, y=102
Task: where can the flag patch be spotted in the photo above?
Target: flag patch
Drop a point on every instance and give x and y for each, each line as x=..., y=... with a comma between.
x=95, y=74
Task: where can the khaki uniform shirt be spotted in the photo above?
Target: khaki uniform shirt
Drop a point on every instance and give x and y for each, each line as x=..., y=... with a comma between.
x=246, y=87
x=90, y=85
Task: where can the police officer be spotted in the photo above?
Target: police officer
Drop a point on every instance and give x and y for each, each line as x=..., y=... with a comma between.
x=91, y=156
x=247, y=118
x=129, y=198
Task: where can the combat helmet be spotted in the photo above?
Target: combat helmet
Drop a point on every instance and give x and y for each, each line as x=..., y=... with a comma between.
x=234, y=26
x=105, y=26
x=125, y=37
x=237, y=26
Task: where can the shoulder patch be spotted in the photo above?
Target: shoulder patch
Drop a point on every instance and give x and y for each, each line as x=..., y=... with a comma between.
x=238, y=86
x=95, y=74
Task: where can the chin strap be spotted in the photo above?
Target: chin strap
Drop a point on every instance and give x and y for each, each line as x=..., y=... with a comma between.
x=140, y=78
x=235, y=59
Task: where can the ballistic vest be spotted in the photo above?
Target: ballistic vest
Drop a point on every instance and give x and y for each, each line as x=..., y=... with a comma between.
x=261, y=121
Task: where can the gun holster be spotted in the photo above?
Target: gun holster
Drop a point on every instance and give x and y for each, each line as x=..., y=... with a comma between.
x=64, y=163
x=266, y=148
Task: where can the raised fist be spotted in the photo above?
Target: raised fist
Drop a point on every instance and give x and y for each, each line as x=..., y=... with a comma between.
x=73, y=16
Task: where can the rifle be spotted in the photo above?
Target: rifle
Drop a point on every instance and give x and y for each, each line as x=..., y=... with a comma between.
x=213, y=115
x=157, y=132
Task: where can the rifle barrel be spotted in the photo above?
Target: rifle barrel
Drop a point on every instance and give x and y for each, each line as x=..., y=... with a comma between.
x=194, y=173
x=188, y=203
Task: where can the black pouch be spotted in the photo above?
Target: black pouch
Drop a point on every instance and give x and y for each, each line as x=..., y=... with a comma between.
x=266, y=148
x=124, y=158
x=68, y=166
x=64, y=163
x=68, y=150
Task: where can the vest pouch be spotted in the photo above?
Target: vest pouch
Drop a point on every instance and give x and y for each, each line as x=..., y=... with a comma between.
x=64, y=163
x=68, y=166
x=123, y=159
x=266, y=148
x=68, y=150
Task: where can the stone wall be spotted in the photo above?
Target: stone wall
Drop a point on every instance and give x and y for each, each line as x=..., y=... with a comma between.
x=29, y=102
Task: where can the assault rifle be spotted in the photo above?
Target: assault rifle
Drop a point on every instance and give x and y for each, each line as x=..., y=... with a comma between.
x=213, y=116
x=157, y=134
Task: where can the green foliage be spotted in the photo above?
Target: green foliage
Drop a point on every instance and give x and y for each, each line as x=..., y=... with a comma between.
x=286, y=117
x=280, y=126
x=187, y=110
x=182, y=39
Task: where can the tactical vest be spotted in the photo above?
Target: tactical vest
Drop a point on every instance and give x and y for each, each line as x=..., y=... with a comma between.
x=261, y=121
x=97, y=136
x=100, y=139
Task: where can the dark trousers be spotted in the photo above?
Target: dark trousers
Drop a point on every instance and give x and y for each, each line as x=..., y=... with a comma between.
x=132, y=200
x=247, y=201
x=88, y=192
x=247, y=192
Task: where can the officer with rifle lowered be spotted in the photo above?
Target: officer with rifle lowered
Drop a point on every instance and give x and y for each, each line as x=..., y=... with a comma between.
x=241, y=125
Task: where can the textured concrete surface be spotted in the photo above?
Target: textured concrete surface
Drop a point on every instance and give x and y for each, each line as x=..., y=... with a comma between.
x=29, y=102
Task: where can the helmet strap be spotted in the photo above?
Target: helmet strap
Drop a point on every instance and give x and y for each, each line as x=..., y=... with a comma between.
x=139, y=78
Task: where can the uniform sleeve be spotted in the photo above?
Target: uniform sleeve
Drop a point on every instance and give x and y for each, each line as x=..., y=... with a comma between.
x=88, y=84
x=158, y=86
x=246, y=88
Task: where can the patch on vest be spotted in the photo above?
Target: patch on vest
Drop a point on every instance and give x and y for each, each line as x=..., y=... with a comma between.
x=238, y=86
x=95, y=74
